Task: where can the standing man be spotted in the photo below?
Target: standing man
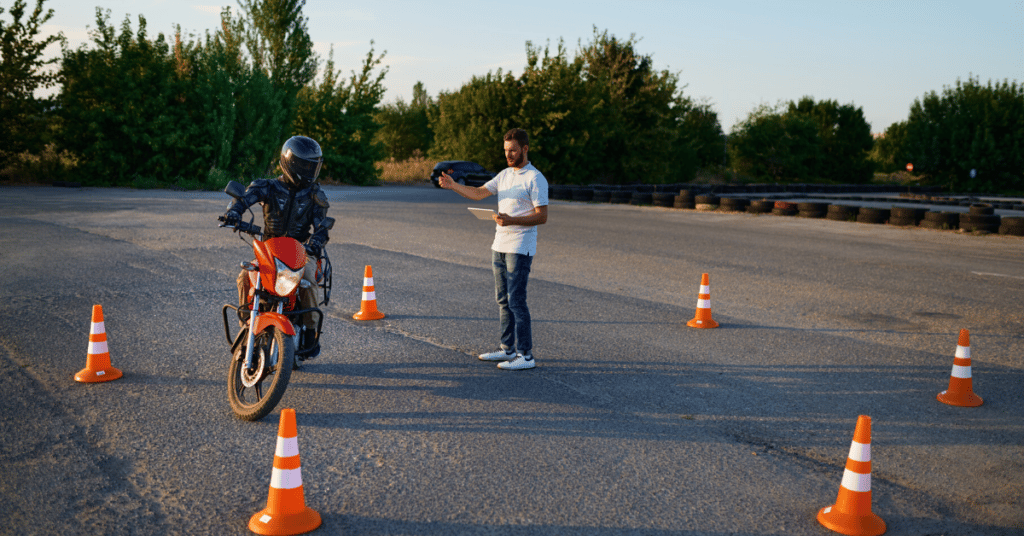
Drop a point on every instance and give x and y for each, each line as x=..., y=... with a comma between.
x=522, y=206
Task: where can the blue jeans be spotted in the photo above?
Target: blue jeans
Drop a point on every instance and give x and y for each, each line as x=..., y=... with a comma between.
x=511, y=273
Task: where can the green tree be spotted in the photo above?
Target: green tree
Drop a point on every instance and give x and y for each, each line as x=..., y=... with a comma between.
x=771, y=145
x=844, y=137
x=969, y=126
x=23, y=71
x=405, y=127
x=887, y=151
x=118, y=104
x=340, y=116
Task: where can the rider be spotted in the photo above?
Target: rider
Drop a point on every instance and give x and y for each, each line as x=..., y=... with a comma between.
x=292, y=204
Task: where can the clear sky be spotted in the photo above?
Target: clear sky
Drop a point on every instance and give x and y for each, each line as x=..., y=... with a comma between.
x=878, y=55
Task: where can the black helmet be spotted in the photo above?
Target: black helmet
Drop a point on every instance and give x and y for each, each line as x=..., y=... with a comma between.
x=301, y=159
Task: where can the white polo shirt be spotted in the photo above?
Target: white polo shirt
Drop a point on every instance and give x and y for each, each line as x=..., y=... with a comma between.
x=519, y=191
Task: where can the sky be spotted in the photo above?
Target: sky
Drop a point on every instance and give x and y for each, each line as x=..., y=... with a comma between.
x=878, y=55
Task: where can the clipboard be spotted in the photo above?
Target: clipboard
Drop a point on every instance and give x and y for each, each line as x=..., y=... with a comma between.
x=483, y=213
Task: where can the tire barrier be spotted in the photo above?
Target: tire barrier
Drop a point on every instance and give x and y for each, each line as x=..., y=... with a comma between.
x=641, y=198
x=906, y=216
x=979, y=222
x=706, y=202
x=733, y=204
x=583, y=194
x=560, y=192
x=662, y=199
x=682, y=201
x=601, y=196
x=620, y=197
x=812, y=210
x=842, y=212
x=784, y=208
x=981, y=209
x=760, y=206
x=941, y=220
x=1012, y=225
x=872, y=215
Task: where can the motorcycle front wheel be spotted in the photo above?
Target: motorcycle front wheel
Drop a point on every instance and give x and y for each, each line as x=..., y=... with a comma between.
x=254, y=392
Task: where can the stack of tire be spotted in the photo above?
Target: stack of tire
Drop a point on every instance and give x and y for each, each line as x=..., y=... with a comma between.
x=683, y=200
x=706, y=202
x=784, y=208
x=620, y=197
x=641, y=198
x=872, y=215
x=662, y=199
x=1012, y=225
x=812, y=210
x=760, y=206
x=980, y=217
x=733, y=204
x=940, y=220
x=842, y=212
x=601, y=195
x=583, y=193
x=560, y=192
x=906, y=216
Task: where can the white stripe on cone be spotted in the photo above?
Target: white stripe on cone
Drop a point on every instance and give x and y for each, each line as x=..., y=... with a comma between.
x=97, y=328
x=367, y=281
x=98, y=347
x=369, y=296
x=705, y=289
x=963, y=352
x=287, y=447
x=961, y=372
x=860, y=452
x=286, y=478
x=856, y=481
x=703, y=304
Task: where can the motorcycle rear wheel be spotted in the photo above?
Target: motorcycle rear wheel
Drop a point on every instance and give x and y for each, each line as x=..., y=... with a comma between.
x=267, y=383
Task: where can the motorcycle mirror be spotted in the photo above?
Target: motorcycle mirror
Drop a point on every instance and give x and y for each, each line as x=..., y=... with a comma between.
x=235, y=190
x=329, y=223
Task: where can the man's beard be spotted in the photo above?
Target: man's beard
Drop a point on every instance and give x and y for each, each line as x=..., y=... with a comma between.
x=518, y=162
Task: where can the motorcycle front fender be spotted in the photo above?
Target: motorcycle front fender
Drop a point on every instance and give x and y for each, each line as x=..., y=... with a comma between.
x=277, y=320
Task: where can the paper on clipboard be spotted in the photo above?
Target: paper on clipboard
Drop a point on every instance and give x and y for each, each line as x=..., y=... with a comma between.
x=483, y=213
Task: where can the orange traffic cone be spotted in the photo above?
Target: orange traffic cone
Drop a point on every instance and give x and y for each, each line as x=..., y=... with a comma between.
x=851, y=514
x=961, y=387
x=286, y=512
x=368, y=308
x=703, y=317
x=97, y=362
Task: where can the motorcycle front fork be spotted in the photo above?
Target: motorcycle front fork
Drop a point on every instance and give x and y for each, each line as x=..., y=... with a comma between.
x=252, y=329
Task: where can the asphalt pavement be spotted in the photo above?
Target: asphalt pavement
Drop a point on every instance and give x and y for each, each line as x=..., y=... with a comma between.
x=632, y=423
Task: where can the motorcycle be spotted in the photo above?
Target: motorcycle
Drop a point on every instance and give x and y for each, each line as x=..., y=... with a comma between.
x=268, y=348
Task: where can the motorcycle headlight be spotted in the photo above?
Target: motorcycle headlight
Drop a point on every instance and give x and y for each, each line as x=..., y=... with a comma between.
x=287, y=279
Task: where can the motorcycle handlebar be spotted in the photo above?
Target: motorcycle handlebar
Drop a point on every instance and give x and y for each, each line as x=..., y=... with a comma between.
x=242, y=227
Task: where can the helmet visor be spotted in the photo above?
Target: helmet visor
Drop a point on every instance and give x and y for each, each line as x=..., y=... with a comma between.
x=306, y=170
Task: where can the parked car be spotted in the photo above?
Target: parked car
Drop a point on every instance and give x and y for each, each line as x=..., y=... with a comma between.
x=468, y=173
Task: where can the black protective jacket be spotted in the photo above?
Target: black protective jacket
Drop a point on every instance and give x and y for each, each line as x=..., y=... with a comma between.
x=287, y=212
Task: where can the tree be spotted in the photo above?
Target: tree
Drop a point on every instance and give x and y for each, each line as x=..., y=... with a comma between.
x=405, y=128
x=968, y=127
x=23, y=71
x=340, y=116
x=887, y=152
x=772, y=145
x=844, y=138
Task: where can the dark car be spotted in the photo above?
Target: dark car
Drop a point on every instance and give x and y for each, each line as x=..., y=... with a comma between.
x=468, y=173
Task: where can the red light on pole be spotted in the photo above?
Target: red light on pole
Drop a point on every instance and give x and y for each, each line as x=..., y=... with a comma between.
x=910, y=167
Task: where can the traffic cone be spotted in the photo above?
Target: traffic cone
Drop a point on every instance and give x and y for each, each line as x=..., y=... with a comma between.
x=368, y=308
x=703, y=317
x=851, y=514
x=961, y=387
x=286, y=512
x=97, y=362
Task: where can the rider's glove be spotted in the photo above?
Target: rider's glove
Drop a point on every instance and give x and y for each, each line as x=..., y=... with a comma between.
x=314, y=246
x=231, y=218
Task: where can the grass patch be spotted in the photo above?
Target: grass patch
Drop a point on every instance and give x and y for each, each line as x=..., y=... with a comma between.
x=415, y=169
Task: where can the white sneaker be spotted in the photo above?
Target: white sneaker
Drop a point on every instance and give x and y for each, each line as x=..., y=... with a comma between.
x=521, y=362
x=500, y=355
